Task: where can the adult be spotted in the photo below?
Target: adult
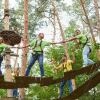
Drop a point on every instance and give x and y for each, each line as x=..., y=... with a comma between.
x=37, y=46
x=83, y=41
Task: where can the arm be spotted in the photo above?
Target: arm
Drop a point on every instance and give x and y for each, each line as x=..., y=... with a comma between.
x=68, y=40
x=59, y=67
x=21, y=47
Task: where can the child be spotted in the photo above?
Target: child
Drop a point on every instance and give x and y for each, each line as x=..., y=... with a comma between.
x=66, y=66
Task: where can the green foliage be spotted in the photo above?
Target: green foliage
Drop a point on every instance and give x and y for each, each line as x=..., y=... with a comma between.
x=97, y=46
x=55, y=52
x=2, y=93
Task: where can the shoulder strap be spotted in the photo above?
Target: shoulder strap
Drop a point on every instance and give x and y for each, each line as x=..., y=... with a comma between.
x=35, y=44
x=40, y=45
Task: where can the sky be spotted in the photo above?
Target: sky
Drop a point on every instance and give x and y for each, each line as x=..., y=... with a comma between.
x=13, y=2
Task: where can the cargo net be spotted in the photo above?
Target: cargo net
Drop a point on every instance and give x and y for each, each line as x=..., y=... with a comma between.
x=10, y=37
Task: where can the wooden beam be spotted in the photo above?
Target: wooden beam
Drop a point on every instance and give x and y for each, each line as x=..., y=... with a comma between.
x=89, y=84
x=46, y=81
x=73, y=73
x=12, y=85
x=85, y=70
x=27, y=79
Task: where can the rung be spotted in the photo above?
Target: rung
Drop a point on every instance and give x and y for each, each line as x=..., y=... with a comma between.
x=46, y=81
x=27, y=80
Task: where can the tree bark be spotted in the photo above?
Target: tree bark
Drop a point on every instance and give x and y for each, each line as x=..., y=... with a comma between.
x=88, y=21
x=98, y=23
x=61, y=29
x=25, y=42
x=8, y=75
x=97, y=15
x=54, y=25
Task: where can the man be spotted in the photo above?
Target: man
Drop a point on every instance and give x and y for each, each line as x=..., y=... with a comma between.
x=2, y=47
x=37, y=46
x=83, y=41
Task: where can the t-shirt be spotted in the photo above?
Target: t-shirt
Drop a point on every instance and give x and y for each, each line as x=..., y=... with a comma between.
x=38, y=45
x=2, y=47
x=83, y=39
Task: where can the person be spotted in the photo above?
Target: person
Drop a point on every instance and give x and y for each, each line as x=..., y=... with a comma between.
x=2, y=48
x=37, y=46
x=66, y=65
x=83, y=40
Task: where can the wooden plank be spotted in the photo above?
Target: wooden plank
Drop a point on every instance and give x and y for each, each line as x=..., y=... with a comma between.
x=91, y=83
x=73, y=73
x=86, y=70
x=27, y=79
x=12, y=85
x=46, y=80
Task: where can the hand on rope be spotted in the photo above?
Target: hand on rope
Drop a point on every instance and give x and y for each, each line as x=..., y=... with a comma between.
x=68, y=40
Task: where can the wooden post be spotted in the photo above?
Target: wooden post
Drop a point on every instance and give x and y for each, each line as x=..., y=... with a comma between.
x=8, y=76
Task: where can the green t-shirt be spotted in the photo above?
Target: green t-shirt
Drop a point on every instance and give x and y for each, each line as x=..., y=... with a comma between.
x=82, y=39
x=38, y=45
x=2, y=47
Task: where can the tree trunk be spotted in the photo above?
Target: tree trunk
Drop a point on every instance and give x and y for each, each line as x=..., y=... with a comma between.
x=8, y=75
x=62, y=34
x=88, y=21
x=97, y=15
x=98, y=23
x=54, y=25
x=60, y=26
x=25, y=42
